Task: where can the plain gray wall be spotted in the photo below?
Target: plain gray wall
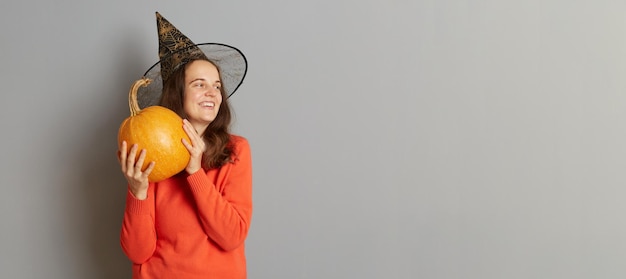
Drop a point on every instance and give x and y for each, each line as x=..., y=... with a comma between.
x=391, y=139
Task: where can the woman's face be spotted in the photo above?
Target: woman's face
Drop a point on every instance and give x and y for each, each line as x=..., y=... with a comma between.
x=202, y=94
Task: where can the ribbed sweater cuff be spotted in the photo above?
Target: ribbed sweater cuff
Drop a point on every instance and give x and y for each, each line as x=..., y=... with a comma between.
x=136, y=206
x=198, y=181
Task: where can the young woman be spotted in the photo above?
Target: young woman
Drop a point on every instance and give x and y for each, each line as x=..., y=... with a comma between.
x=192, y=225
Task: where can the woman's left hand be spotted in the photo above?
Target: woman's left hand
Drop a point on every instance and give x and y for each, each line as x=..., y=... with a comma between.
x=196, y=147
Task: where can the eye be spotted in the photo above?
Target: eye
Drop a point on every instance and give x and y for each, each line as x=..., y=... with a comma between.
x=198, y=84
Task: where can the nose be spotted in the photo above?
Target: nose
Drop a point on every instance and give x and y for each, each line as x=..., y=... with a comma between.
x=212, y=91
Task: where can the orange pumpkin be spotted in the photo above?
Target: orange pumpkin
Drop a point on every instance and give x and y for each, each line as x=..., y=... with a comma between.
x=159, y=131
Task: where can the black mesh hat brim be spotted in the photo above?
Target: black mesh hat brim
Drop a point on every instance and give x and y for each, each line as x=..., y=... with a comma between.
x=230, y=60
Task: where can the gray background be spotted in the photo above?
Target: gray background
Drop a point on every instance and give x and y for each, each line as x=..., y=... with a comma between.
x=391, y=139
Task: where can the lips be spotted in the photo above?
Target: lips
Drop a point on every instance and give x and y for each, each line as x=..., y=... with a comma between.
x=207, y=104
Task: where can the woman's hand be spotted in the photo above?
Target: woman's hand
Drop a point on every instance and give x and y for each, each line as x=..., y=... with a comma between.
x=196, y=147
x=137, y=179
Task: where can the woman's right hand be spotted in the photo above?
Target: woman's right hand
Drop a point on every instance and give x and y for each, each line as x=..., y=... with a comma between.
x=137, y=179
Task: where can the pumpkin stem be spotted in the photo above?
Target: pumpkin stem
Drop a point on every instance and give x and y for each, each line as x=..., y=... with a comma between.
x=132, y=95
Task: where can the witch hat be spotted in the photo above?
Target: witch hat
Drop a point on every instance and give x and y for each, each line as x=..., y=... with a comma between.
x=176, y=50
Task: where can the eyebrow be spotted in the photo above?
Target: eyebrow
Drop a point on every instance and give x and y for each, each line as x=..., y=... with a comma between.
x=202, y=79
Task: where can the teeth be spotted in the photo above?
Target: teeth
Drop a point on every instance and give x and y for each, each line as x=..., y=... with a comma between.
x=207, y=104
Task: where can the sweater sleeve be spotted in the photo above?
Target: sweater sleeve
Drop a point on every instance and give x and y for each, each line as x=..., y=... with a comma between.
x=226, y=216
x=138, y=236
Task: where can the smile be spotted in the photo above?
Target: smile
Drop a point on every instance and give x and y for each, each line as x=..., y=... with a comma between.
x=207, y=104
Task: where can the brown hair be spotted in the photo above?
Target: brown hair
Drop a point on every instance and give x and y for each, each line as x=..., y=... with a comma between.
x=217, y=134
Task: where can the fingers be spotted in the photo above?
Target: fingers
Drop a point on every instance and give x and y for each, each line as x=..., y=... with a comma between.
x=196, y=140
x=190, y=131
x=133, y=168
x=130, y=159
x=148, y=170
x=139, y=162
x=137, y=179
x=121, y=155
x=195, y=146
x=187, y=145
x=121, y=151
x=195, y=149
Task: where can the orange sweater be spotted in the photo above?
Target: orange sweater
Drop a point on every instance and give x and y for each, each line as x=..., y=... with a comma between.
x=192, y=226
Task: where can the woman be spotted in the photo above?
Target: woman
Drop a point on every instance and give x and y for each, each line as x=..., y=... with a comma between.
x=192, y=225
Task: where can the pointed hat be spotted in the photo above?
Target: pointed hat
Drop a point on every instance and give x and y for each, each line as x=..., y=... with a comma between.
x=176, y=50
